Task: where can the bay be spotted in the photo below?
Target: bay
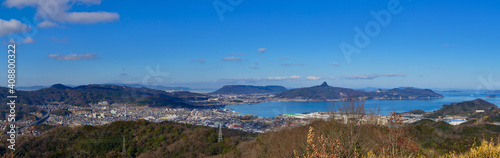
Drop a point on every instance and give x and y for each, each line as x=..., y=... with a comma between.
x=271, y=109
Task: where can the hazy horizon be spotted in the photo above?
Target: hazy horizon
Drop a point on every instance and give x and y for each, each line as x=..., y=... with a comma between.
x=208, y=44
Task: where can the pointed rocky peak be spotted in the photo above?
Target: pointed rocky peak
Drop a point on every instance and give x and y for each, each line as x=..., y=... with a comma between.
x=324, y=84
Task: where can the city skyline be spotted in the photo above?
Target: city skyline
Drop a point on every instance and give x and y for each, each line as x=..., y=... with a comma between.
x=208, y=44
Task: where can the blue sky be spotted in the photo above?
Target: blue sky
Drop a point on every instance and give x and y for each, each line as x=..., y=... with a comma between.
x=426, y=44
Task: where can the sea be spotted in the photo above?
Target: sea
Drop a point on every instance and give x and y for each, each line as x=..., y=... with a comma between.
x=382, y=107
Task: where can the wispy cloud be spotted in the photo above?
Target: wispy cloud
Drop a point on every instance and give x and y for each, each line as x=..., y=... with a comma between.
x=282, y=57
x=232, y=58
x=59, y=40
x=372, y=76
x=47, y=24
x=85, y=56
x=254, y=67
x=283, y=78
x=237, y=54
x=88, y=17
x=262, y=50
x=28, y=40
x=447, y=45
x=253, y=80
x=201, y=60
x=293, y=64
x=313, y=78
x=335, y=64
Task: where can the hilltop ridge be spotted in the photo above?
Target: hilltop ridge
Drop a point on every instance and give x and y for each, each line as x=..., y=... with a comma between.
x=326, y=92
x=86, y=94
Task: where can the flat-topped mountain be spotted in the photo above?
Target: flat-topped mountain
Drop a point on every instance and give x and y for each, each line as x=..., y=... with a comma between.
x=84, y=95
x=248, y=89
x=326, y=92
x=465, y=108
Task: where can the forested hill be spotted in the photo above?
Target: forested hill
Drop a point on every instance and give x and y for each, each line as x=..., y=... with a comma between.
x=142, y=139
x=84, y=95
x=326, y=92
x=320, y=92
x=467, y=108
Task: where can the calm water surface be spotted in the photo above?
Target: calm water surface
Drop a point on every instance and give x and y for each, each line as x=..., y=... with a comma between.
x=272, y=109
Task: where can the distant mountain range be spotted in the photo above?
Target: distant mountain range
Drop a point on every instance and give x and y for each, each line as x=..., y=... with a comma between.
x=326, y=92
x=247, y=89
x=84, y=95
x=141, y=95
x=30, y=88
x=157, y=87
x=497, y=91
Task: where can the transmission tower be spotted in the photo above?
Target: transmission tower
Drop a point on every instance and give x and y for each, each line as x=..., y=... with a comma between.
x=124, y=151
x=220, y=131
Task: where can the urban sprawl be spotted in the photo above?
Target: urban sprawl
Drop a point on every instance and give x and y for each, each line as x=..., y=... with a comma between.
x=104, y=113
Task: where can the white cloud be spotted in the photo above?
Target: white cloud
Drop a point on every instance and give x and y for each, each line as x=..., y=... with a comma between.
x=372, y=76
x=57, y=10
x=283, y=78
x=87, y=17
x=293, y=64
x=313, y=78
x=335, y=64
x=253, y=80
x=55, y=4
x=282, y=57
x=231, y=59
x=74, y=56
x=88, y=2
x=262, y=50
x=28, y=40
x=47, y=24
x=12, y=26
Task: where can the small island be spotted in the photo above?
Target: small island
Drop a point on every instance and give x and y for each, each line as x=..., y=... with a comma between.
x=491, y=96
x=324, y=92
